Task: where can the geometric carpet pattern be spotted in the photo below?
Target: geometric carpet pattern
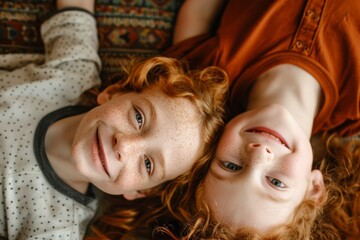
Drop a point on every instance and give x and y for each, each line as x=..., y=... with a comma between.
x=125, y=28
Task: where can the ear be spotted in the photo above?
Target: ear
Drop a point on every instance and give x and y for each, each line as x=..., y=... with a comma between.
x=316, y=188
x=134, y=195
x=108, y=93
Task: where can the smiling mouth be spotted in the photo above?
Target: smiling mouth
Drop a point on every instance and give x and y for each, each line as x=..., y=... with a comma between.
x=270, y=133
x=101, y=152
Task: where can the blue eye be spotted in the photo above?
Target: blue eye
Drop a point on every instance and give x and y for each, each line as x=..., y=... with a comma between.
x=277, y=183
x=231, y=166
x=138, y=118
x=148, y=165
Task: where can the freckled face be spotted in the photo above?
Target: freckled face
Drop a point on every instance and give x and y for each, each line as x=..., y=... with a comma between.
x=261, y=171
x=136, y=141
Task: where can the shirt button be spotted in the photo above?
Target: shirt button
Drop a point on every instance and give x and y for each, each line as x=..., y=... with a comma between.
x=299, y=44
x=315, y=17
x=312, y=15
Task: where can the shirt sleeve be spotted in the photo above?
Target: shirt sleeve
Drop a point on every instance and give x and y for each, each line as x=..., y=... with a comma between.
x=70, y=36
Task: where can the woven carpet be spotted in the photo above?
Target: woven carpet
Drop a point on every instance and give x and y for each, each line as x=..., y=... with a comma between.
x=125, y=28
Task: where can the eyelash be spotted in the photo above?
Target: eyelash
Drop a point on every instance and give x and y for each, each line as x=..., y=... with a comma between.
x=234, y=167
x=140, y=121
x=230, y=166
x=139, y=117
x=147, y=162
x=274, y=182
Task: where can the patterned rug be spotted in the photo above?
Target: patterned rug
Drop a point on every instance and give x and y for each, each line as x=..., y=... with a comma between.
x=125, y=28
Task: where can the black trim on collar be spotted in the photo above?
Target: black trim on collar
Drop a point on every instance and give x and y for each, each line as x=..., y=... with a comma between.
x=43, y=161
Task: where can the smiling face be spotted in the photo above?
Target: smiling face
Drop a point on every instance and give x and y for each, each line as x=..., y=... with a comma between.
x=261, y=171
x=135, y=141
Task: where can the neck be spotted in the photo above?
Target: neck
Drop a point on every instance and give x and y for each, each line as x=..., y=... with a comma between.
x=291, y=87
x=58, y=142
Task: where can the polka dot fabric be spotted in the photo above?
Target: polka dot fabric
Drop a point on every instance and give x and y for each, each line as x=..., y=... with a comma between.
x=31, y=86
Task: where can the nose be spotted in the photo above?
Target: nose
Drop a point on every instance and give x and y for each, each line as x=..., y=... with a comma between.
x=127, y=146
x=259, y=153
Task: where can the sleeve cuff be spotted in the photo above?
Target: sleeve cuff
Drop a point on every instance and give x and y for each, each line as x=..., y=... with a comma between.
x=64, y=10
x=73, y=9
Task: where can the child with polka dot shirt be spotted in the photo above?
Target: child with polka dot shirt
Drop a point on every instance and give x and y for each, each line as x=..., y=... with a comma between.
x=147, y=129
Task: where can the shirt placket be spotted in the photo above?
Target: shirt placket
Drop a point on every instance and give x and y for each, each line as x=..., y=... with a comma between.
x=308, y=28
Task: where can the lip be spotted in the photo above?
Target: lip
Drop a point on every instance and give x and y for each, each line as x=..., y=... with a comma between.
x=101, y=153
x=274, y=134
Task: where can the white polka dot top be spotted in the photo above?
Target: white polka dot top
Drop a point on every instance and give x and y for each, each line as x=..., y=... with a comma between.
x=32, y=86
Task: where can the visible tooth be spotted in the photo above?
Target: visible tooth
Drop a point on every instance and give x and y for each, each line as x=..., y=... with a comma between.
x=270, y=135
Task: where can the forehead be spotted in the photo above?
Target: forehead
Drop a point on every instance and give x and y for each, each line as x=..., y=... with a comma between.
x=177, y=124
x=178, y=112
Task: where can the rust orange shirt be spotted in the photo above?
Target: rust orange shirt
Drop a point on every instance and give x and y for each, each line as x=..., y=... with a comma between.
x=322, y=37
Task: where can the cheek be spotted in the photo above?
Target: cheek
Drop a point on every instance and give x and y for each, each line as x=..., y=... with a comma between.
x=107, y=112
x=90, y=119
x=305, y=160
x=116, y=107
x=83, y=134
x=212, y=192
x=219, y=200
x=304, y=149
x=129, y=180
x=229, y=145
x=297, y=169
